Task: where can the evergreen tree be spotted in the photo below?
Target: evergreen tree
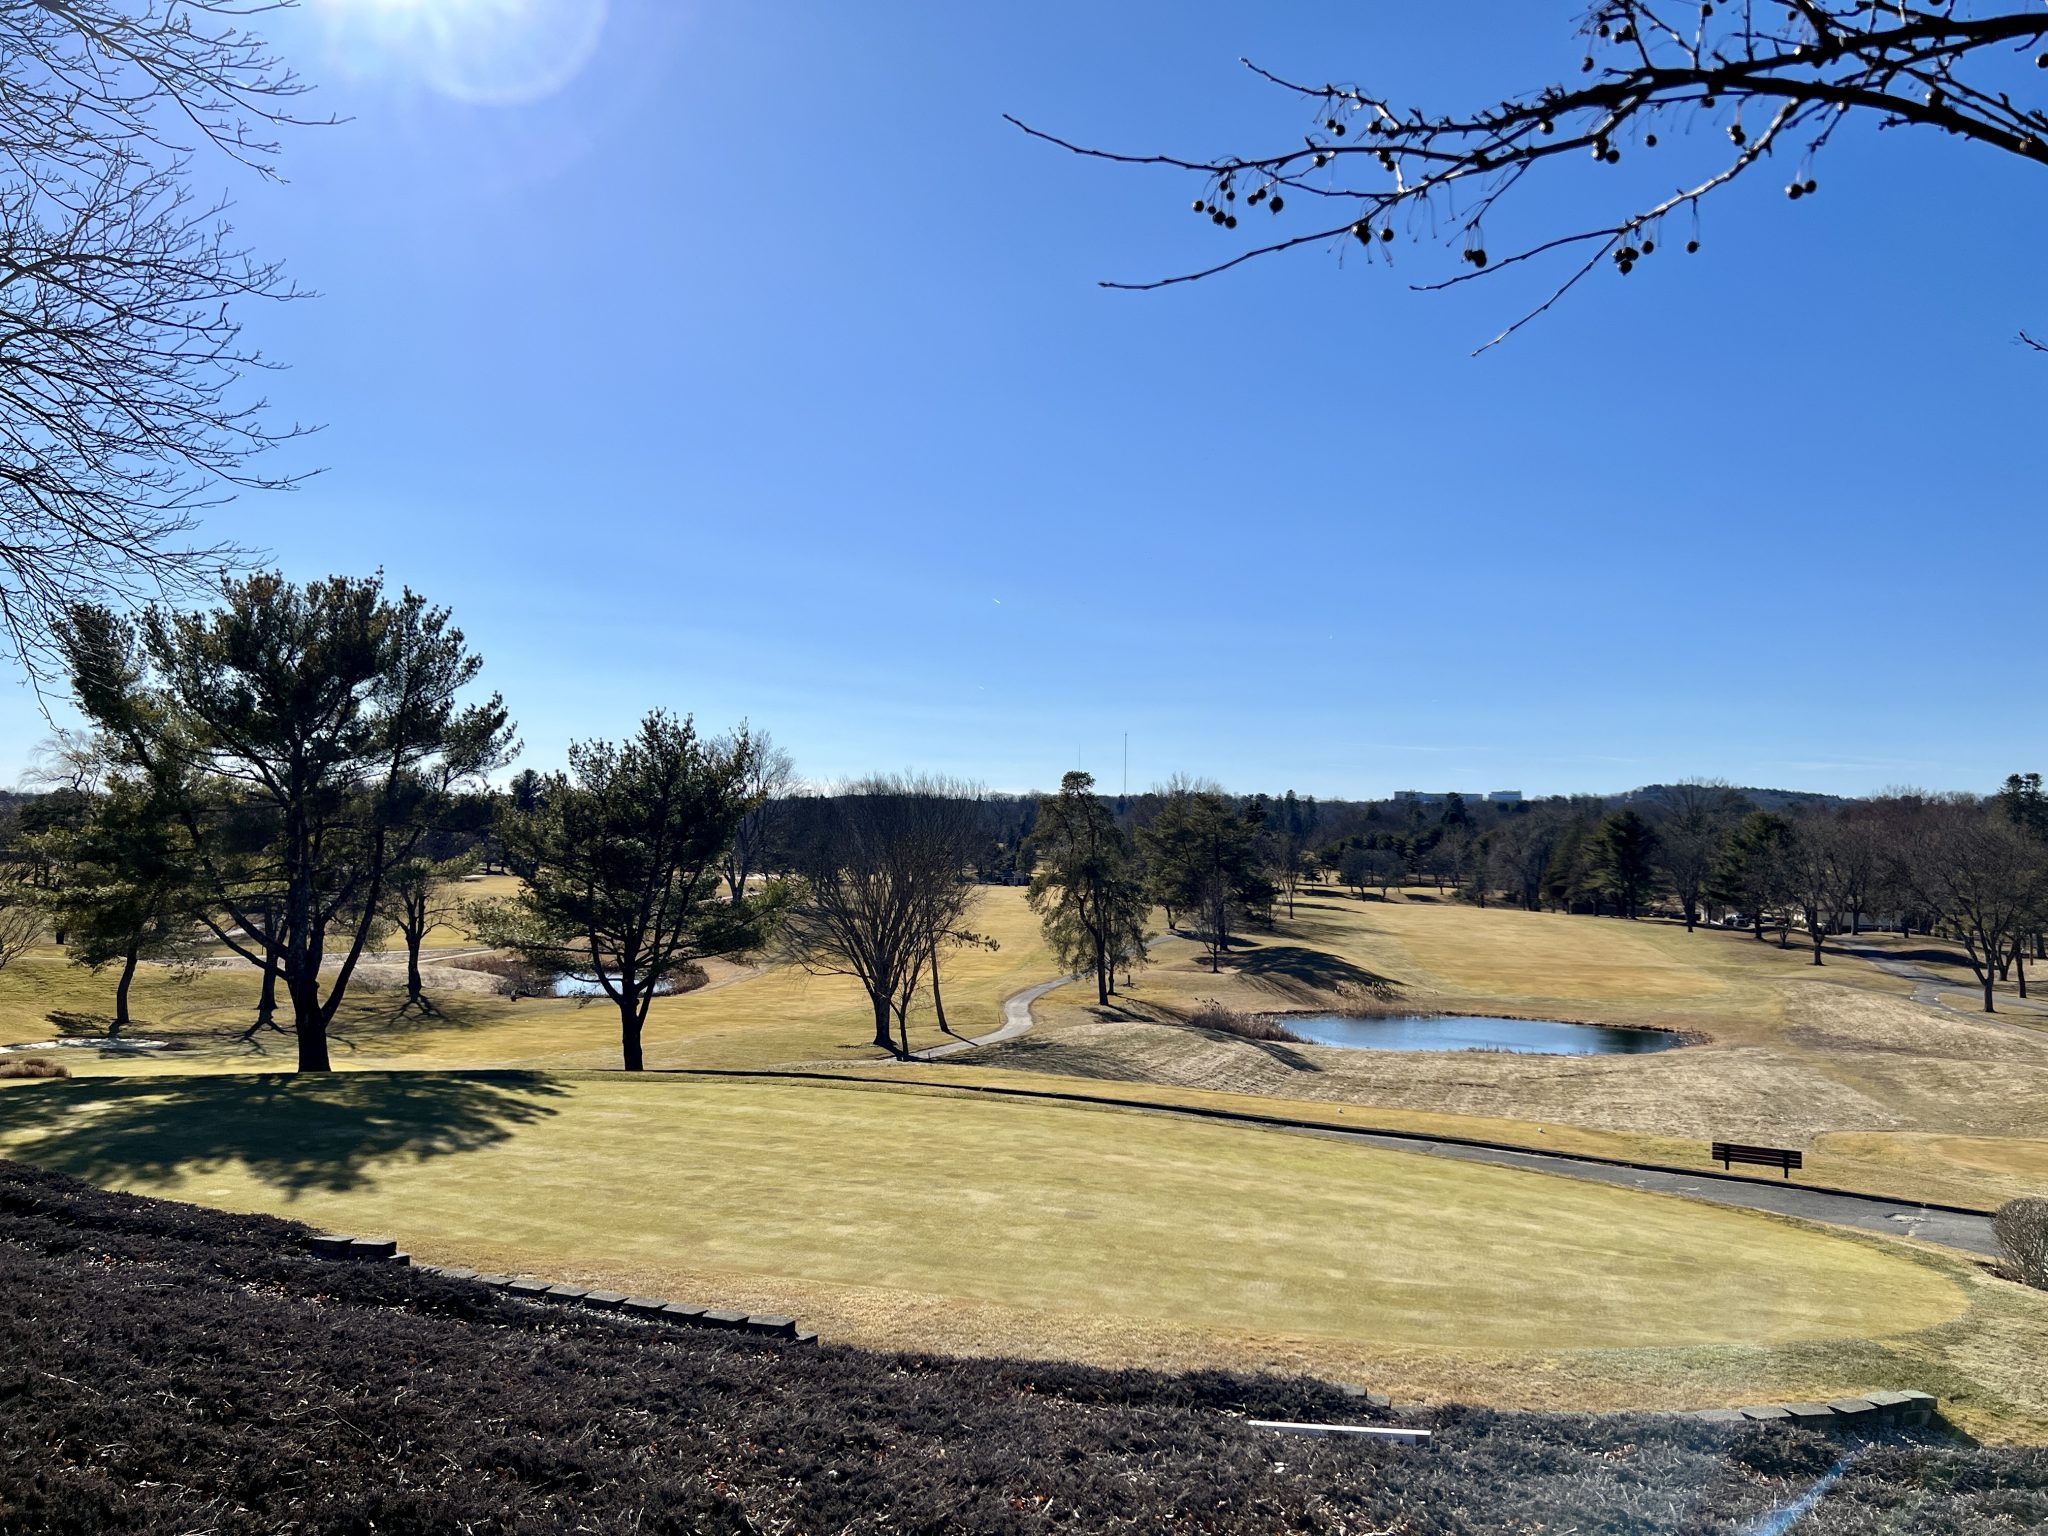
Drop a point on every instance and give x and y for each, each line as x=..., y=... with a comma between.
x=1752, y=872
x=420, y=894
x=1203, y=859
x=301, y=734
x=1623, y=861
x=622, y=863
x=1086, y=885
x=124, y=887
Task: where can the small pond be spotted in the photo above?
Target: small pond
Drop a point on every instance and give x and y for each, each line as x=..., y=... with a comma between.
x=1469, y=1032
x=589, y=986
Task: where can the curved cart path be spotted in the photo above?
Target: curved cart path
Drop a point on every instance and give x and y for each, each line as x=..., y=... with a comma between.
x=1949, y=1227
x=1017, y=1010
x=1931, y=989
x=1967, y=1231
x=1869, y=1213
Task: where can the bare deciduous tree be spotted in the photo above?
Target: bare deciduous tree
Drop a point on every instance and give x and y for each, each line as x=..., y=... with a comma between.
x=420, y=894
x=1983, y=875
x=1814, y=876
x=2021, y=1227
x=1774, y=82
x=882, y=885
x=771, y=779
x=122, y=412
x=21, y=917
x=1693, y=822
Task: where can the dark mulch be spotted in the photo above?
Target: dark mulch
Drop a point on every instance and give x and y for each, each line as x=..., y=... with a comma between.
x=169, y=1368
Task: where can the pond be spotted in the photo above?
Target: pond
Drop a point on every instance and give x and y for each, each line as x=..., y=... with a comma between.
x=589, y=986
x=1470, y=1032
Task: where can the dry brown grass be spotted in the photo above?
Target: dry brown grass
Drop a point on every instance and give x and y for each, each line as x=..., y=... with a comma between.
x=1882, y=1092
x=741, y=1016
x=1212, y=1015
x=32, y=1066
x=1076, y=1233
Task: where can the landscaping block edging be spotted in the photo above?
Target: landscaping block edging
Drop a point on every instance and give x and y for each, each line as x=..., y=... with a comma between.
x=761, y=1325
x=1879, y=1410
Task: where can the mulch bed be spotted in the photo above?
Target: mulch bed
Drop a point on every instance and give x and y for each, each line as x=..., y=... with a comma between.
x=167, y=1368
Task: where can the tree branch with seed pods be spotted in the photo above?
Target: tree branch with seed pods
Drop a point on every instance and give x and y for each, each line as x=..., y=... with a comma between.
x=1777, y=80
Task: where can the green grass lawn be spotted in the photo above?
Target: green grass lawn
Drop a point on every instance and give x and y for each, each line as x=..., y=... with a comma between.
x=902, y=1217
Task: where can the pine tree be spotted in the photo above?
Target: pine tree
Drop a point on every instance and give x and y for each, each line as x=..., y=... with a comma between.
x=1086, y=885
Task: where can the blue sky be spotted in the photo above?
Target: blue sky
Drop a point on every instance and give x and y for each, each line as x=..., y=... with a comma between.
x=736, y=356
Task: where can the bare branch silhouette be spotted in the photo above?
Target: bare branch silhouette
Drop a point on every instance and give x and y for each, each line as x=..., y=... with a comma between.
x=1805, y=68
x=123, y=414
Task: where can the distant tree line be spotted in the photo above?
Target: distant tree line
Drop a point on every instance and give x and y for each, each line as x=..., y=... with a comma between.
x=1969, y=868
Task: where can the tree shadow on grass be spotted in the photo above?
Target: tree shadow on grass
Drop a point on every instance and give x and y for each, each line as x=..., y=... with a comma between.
x=1295, y=968
x=1285, y=1054
x=326, y=1133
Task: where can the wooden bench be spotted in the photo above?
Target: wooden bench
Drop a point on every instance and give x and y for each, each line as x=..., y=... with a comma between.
x=1727, y=1152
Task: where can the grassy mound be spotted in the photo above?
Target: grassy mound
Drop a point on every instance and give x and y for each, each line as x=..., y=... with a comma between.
x=175, y=1368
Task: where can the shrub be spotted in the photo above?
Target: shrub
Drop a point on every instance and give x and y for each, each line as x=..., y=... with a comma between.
x=515, y=977
x=1210, y=1014
x=2021, y=1227
x=33, y=1066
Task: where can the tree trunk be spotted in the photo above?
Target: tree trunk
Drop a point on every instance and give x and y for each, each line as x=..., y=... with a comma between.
x=121, y=992
x=885, y=1032
x=266, y=1004
x=938, y=1002
x=312, y=1032
x=414, y=996
x=2019, y=965
x=629, y=1031
x=1990, y=1005
x=1814, y=929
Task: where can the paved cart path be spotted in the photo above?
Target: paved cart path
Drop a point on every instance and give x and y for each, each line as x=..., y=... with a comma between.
x=1968, y=1232
x=1017, y=1011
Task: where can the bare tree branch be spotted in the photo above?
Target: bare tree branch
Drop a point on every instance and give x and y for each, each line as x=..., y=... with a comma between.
x=123, y=413
x=1810, y=65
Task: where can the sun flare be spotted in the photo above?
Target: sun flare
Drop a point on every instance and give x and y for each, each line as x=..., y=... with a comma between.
x=489, y=52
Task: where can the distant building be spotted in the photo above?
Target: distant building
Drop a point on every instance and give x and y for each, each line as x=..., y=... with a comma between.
x=1470, y=797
